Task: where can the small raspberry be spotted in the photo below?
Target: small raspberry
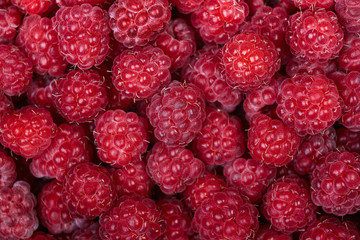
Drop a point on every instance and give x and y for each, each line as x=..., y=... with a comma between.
x=267, y=233
x=34, y=6
x=89, y=233
x=70, y=3
x=10, y=19
x=298, y=66
x=348, y=140
x=39, y=92
x=349, y=59
x=187, y=6
x=7, y=169
x=5, y=105
x=313, y=4
x=349, y=13
x=41, y=236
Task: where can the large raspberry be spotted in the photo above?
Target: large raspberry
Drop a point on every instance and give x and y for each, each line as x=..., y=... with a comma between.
x=267, y=233
x=349, y=13
x=7, y=169
x=349, y=59
x=348, y=140
x=89, y=233
x=34, y=6
x=10, y=19
x=313, y=4
x=297, y=66
x=187, y=6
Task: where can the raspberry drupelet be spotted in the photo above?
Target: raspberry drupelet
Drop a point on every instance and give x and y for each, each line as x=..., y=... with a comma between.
x=10, y=19
x=91, y=232
x=7, y=169
x=34, y=6
x=70, y=3
x=297, y=66
x=267, y=233
x=349, y=59
x=41, y=236
x=349, y=13
x=313, y=4
x=187, y=6
x=348, y=140
x=39, y=92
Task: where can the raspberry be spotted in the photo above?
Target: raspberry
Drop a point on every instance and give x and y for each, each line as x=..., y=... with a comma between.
x=132, y=217
x=10, y=19
x=41, y=236
x=27, y=131
x=88, y=190
x=270, y=141
x=136, y=22
x=250, y=60
x=17, y=215
x=348, y=12
x=308, y=103
x=349, y=59
x=34, y=6
x=38, y=38
x=219, y=20
x=315, y=35
x=39, y=92
x=313, y=4
x=254, y=5
x=70, y=3
x=249, y=176
x=266, y=233
x=298, y=66
x=121, y=137
x=5, y=105
x=80, y=96
x=177, y=113
x=187, y=6
x=83, y=34
x=335, y=183
x=226, y=215
x=7, y=169
x=89, y=233
x=173, y=168
x=348, y=140
x=15, y=70
x=138, y=73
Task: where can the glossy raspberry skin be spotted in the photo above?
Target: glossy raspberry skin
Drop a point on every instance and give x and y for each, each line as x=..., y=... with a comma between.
x=41, y=236
x=15, y=70
x=177, y=113
x=253, y=69
x=10, y=19
x=138, y=217
x=173, y=168
x=121, y=137
x=266, y=233
x=187, y=6
x=89, y=233
x=135, y=23
x=348, y=12
x=138, y=73
x=348, y=140
x=70, y=3
x=88, y=190
x=313, y=4
x=83, y=33
x=34, y=6
x=349, y=59
x=7, y=169
x=297, y=67
x=335, y=183
x=308, y=103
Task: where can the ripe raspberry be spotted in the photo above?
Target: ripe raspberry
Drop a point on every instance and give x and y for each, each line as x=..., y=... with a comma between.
x=313, y=4
x=254, y=5
x=80, y=96
x=17, y=215
x=348, y=140
x=177, y=113
x=38, y=38
x=7, y=169
x=41, y=236
x=70, y=3
x=249, y=176
x=5, y=105
x=335, y=183
x=15, y=70
x=83, y=34
x=121, y=137
x=349, y=59
x=187, y=6
x=10, y=19
x=266, y=233
x=348, y=12
x=308, y=103
x=136, y=22
x=315, y=35
x=297, y=66
x=34, y=6
x=173, y=168
x=138, y=73
x=132, y=217
x=219, y=20
x=39, y=92
x=270, y=141
x=226, y=215
x=89, y=233
x=250, y=61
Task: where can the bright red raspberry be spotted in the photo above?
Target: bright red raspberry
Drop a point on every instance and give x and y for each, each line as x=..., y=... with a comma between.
x=250, y=60
x=16, y=70
x=308, y=103
x=177, y=113
x=335, y=183
x=226, y=215
x=121, y=137
x=5, y=104
x=41, y=236
x=7, y=169
x=298, y=66
x=34, y=6
x=313, y=4
x=83, y=33
x=173, y=168
x=70, y=3
x=349, y=59
x=139, y=73
x=132, y=217
x=39, y=92
x=315, y=35
x=349, y=13
x=348, y=140
x=187, y=6
x=267, y=233
x=91, y=232
x=136, y=22
x=10, y=19
x=80, y=96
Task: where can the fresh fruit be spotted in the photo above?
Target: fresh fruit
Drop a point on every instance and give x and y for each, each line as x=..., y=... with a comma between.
x=34, y=6
x=313, y=4
x=348, y=140
x=10, y=19
x=349, y=59
x=348, y=12
x=7, y=169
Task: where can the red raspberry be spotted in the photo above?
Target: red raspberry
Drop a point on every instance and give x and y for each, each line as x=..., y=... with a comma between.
x=17, y=214
x=266, y=233
x=349, y=59
x=315, y=35
x=15, y=70
x=288, y=5
x=83, y=34
x=10, y=19
x=5, y=105
x=80, y=96
x=219, y=20
x=187, y=6
x=132, y=217
x=335, y=183
x=348, y=140
x=177, y=113
x=34, y=6
x=250, y=61
x=298, y=66
x=255, y=5
x=251, y=177
x=41, y=236
x=138, y=73
x=226, y=215
x=308, y=103
x=40, y=92
x=121, y=137
x=38, y=38
x=349, y=13
x=313, y=4
x=89, y=233
x=70, y=3
x=173, y=168
x=7, y=169
x=136, y=22
x=270, y=141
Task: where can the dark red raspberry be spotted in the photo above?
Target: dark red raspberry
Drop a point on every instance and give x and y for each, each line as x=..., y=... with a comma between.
x=88, y=190
x=15, y=70
x=83, y=33
x=187, y=6
x=41, y=236
x=348, y=140
x=349, y=59
x=250, y=61
x=34, y=6
x=70, y=3
x=177, y=113
x=308, y=103
x=89, y=233
x=226, y=215
x=315, y=35
x=254, y=5
x=132, y=217
x=121, y=137
x=349, y=13
x=287, y=4
x=138, y=73
x=313, y=4
x=17, y=214
x=267, y=233
x=10, y=19
x=335, y=183
x=136, y=22
x=7, y=169
x=298, y=66
x=5, y=104
x=40, y=91
x=173, y=168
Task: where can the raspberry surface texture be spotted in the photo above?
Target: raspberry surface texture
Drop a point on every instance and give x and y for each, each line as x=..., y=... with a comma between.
x=297, y=66
x=313, y=4
x=7, y=169
x=349, y=12
x=348, y=140
x=349, y=59
x=187, y=6
x=34, y=6
x=10, y=19
x=267, y=233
